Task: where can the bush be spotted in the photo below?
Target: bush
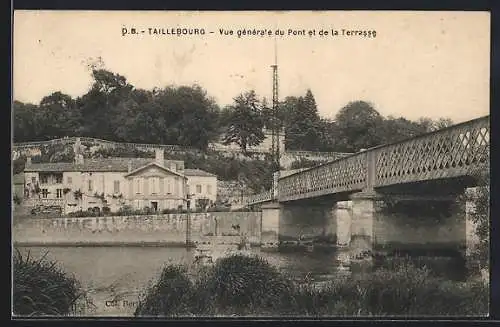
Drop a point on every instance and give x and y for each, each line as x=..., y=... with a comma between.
x=41, y=288
x=16, y=199
x=80, y=213
x=219, y=209
x=169, y=296
x=248, y=285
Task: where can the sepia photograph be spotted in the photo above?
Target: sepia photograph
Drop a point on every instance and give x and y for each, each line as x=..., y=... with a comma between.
x=253, y=164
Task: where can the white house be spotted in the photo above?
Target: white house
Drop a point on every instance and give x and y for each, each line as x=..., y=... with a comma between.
x=115, y=182
x=201, y=186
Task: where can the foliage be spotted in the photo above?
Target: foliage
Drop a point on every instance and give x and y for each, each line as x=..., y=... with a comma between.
x=42, y=288
x=16, y=199
x=302, y=123
x=169, y=296
x=305, y=163
x=18, y=165
x=77, y=194
x=358, y=123
x=244, y=122
x=480, y=216
x=256, y=174
x=248, y=285
x=202, y=204
x=114, y=109
x=122, y=152
x=219, y=209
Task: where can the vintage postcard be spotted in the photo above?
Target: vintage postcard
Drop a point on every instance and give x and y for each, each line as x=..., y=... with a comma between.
x=250, y=164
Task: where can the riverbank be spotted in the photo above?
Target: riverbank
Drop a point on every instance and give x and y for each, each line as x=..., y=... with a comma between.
x=116, y=278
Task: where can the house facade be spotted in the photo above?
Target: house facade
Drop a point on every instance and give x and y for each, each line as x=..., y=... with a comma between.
x=202, y=188
x=113, y=183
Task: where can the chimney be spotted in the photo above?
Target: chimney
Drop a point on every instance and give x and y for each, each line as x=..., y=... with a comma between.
x=129, y=166
x=159, y=157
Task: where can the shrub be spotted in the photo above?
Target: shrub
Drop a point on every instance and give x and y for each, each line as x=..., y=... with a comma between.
x=169, y=296
x=16, y=199
x=41, y=288
x=80, y=213
x=219, y=209
x=249, y=285
x=248, y=282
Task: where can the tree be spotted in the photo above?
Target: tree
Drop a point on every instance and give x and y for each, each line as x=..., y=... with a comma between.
x=61, y=116
x=397, y=129
x=358, y=124
x=27, y=122
x=190, y=116
x=108, y=89
x=429, y=125
x=245, y=122
x=302, y=123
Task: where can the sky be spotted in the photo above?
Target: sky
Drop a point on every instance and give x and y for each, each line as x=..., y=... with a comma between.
x=419, y=64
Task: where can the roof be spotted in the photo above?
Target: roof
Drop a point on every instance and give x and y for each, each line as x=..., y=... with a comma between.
x=18, y=179
x=154, y=164
x=95, y=165
x=197, y=172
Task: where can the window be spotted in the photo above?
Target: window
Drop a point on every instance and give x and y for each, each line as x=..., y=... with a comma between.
x=198, y=189
x=70, y=180
x=59, y=193
x=59, y=179
x=137, y=186
x=209, y=189
x=33, y=180
x=116, y=187
x=154, y=185
x=45, y=192
x=168, y=188
x=90, y=186
x=43, y=179
x=176, y=185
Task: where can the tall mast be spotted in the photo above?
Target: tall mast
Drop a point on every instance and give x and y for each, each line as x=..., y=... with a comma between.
x=275, y=125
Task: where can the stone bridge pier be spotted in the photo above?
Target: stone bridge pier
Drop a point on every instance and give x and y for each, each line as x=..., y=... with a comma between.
x=421, y=225
x=371, y=224
x=292, y=224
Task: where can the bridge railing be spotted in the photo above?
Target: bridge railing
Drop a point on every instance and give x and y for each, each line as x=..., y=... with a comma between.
x=450, y=152
x=454, y=151
x=259, y=198
x=341, y=175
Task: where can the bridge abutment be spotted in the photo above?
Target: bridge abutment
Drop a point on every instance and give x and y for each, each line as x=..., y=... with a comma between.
x=397, y=225
x=301, y=224
x=270, y=225
x=365, y=208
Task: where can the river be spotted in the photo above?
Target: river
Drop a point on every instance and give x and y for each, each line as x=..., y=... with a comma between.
x=121, y=273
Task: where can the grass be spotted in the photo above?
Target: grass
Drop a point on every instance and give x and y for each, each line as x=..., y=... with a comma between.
x=249, y=286
x=41, y=288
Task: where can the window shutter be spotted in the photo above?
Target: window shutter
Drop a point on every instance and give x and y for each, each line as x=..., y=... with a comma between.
x=146, y=184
